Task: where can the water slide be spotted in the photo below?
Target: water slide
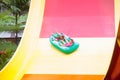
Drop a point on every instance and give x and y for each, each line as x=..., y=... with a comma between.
x=92, y=23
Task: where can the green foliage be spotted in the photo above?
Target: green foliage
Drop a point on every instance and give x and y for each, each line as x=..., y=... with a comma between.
x=13, y=19
x=11, y=28
x=9, y=49
x=22, y=18
x=16, y=6
x=6, y=19
x=4, y=13
x=7, y=22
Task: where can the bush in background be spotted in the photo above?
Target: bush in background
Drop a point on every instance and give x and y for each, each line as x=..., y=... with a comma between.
x=7, y=49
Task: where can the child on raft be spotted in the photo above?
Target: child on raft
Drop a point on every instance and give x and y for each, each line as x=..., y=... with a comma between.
x=63, y=41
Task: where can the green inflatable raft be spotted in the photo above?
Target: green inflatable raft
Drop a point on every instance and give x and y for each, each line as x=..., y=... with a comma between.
x=63, y=43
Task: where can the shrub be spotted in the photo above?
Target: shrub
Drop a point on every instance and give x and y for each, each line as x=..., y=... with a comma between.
x=7, y=49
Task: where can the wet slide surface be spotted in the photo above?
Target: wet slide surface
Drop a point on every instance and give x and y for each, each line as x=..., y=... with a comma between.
x=79, y=18
x=91, y=22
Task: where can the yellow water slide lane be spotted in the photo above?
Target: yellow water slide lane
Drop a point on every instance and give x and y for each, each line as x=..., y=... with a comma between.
x=16, y=67
x=92, y=57
x=33, y=53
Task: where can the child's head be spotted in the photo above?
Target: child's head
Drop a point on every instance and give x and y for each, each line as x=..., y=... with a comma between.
x=71, y=40
x=62, y=37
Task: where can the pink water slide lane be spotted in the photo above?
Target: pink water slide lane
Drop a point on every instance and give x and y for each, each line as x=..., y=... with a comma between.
x=79, y=18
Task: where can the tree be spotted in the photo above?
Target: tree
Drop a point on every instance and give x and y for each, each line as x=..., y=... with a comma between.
x=17, y=8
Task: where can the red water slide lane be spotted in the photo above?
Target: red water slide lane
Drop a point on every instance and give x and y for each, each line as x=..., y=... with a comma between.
x=79, y=18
